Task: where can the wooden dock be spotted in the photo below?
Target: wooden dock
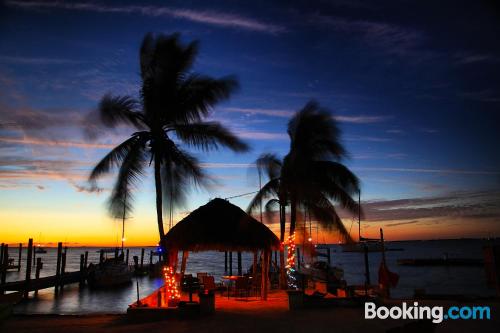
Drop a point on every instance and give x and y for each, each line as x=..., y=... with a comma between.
x=41, y=283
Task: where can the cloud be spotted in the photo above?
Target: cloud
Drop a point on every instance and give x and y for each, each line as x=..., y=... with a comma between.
x=56, y=143
x=251, y=135
x=36, y=60
x=467, y=58
x=424, y=170
x=390, y=38
x=480, y=204
x=226, y=165
x=358, y=119
x=214, y=18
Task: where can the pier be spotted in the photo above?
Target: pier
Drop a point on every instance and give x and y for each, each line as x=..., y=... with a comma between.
x=30, y=284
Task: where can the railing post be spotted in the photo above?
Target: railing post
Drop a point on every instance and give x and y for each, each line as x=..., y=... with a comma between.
x=28, y=267
x=19, y=257
x=39, y=266
x=58, y=268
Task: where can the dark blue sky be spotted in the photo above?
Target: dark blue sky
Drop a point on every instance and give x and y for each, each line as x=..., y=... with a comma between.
x=414, y=84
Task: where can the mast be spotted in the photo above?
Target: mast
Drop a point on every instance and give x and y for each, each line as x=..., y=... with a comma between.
x=123, y=220
x=359, y=216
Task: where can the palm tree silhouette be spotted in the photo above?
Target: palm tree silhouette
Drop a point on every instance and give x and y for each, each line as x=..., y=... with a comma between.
x=311, y=176
x=173, y=102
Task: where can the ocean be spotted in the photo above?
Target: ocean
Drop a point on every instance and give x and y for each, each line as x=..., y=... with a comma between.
x=435, y=280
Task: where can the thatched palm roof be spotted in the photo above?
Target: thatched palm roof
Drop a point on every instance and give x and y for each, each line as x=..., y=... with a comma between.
x=221, y=226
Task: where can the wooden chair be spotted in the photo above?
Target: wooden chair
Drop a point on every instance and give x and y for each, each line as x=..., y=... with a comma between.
x=242, y=287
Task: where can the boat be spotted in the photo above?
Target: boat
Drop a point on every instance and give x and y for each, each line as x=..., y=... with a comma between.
x=109, y=273
x=365, y=244
x=440, y=262
x=40, y=249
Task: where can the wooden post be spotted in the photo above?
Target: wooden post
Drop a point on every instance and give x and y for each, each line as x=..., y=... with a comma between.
x=240, y=270
x=34, y=256
x=298, y=257
x=151, y=259
x=19, y=257
x=63, y=268
x=82, y=269
x=1, y=257
x=382, y=244
x=101, y=255
x=329, y=255
x=126, y=257
x=225, y=261
x=265, y=277
x=86, y=260
x=254, y=265
x=28, y=267
x=4, y=263
x=116, y=252
x=367, y=270
x=158, y=298
x=142, y=258
x=230, y=263
x=185, y=255
x=39, y=266
x=58, y=268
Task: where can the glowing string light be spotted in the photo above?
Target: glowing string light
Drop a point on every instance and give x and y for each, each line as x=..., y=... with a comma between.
x=173, y=294
x=290, y=263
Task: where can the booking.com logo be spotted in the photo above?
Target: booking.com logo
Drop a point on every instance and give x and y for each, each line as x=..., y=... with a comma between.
x=436, y=313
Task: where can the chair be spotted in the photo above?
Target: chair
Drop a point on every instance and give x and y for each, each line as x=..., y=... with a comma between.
x=242, y=286
x=200, y=275
x=209, y=283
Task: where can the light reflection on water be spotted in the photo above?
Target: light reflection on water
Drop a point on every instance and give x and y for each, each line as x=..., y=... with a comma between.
x=443, y=280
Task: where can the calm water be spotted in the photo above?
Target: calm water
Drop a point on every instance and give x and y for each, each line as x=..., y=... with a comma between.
x=440, y=280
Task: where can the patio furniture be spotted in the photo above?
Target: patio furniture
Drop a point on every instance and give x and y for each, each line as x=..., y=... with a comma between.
x=242, y=286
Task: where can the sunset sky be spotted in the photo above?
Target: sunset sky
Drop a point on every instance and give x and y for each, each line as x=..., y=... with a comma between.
x=415, y=87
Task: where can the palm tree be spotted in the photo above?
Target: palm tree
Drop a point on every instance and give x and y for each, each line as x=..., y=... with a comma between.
x=311, y=175
x=173, y=102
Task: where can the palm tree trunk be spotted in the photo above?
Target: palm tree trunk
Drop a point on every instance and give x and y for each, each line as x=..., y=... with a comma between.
x=293, y=215
x=159, y=205
x=283, y=283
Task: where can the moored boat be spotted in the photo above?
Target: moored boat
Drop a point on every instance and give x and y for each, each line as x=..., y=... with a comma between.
x=109, y=273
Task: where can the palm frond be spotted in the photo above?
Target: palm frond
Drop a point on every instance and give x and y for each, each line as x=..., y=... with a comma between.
x=198, y=94
x=120, y=109
x=324, y=212
x=129, y=174
x=269, y=164
x=209, y=135
x=270, y=189
x=116, y=156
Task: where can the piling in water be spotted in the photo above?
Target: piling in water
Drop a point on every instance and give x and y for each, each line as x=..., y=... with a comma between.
x=58, y=268
x=39, y=266
x=28, y=267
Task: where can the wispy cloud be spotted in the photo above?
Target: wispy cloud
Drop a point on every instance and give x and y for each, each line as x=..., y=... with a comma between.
x=390, y=38
x=257, y=135
x=36, y=60
x=424, y=170
x=467, y=58
x=214, y=18
x=56, y=143
x=281, y=113
x=459, y=204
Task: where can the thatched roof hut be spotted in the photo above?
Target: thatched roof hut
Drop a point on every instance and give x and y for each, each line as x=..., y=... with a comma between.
x=220, y=226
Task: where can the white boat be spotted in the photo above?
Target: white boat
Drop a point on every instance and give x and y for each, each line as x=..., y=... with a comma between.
x=109, y=273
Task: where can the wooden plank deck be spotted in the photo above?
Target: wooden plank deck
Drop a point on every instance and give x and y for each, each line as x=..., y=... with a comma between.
x=41, y=283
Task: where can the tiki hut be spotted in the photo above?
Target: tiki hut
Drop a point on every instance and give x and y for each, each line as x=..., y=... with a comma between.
x=222, y=226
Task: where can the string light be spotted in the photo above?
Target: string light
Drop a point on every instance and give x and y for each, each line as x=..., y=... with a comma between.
x=290, y=262
x=172, y=290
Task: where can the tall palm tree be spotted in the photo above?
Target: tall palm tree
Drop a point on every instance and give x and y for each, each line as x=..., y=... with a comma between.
x=311, y=175
x=173, y=102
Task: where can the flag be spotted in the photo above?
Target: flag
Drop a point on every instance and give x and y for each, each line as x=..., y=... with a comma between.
x=386, y=277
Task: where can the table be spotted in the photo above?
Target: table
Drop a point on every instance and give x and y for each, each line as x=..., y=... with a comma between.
x=230, y=280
